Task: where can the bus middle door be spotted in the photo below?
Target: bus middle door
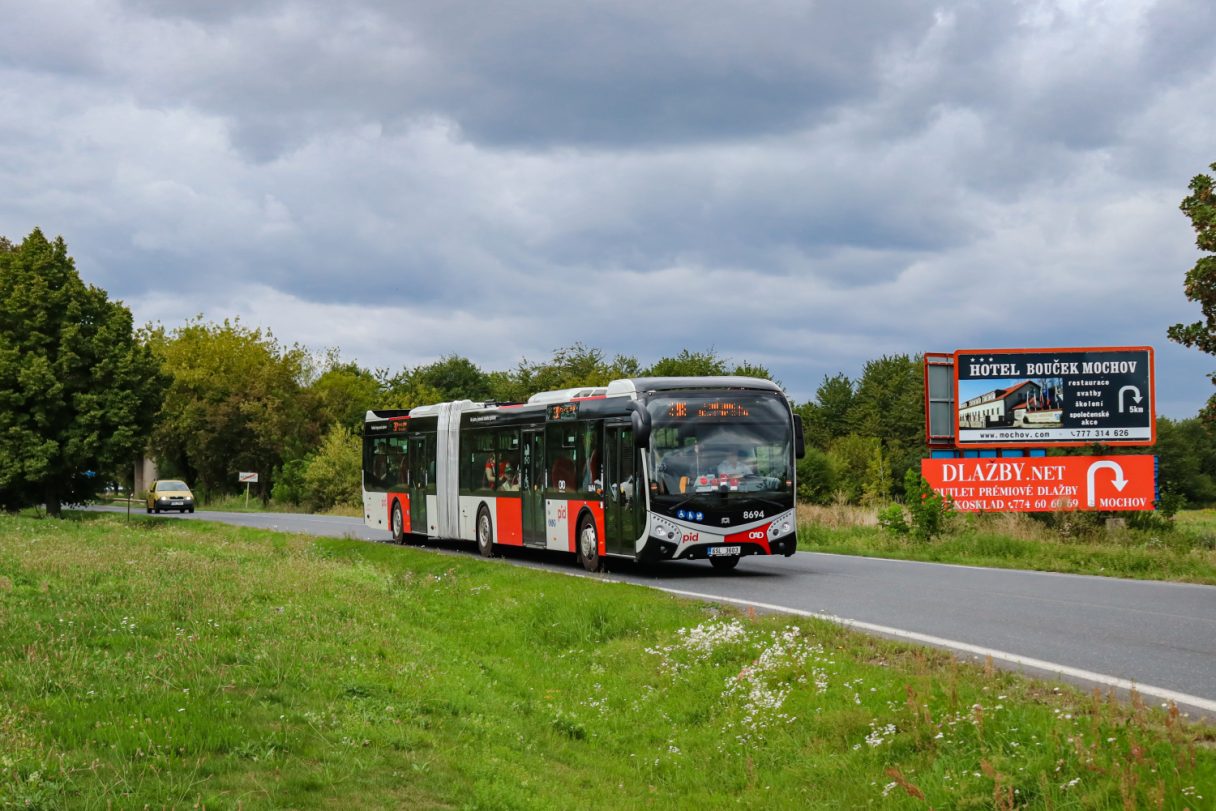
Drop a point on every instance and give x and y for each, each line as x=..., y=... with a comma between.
x=532, y=486
x=418, y=482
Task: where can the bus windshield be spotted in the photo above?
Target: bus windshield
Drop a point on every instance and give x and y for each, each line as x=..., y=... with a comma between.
x=726, y=443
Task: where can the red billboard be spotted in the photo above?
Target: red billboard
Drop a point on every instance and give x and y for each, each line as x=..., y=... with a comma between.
x=1045, y=484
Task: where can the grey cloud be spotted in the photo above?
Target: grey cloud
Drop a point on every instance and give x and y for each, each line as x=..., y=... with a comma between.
x=804, y=185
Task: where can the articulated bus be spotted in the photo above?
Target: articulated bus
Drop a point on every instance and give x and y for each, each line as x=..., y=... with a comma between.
x=642, y=469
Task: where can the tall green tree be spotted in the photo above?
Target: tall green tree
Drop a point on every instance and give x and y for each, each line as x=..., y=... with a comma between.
x=455, y=378
x=235, y=403
x=701, y=364
x=571, y=367
x=78, y=390
x=689, y=364
x=1186, y=452
x=1200, y=207
x=827, y=417
x=343, y=393
x=889, y=405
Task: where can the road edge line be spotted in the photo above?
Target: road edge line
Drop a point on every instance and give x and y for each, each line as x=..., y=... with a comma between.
x=1207, y=705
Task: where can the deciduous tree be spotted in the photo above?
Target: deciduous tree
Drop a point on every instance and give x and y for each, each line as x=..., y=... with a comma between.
x=78, y=391
x=1200, y=207
x=235, y=402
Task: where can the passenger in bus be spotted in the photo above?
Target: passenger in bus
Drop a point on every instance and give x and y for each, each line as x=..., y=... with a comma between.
x=491, y=472
x=508, y=478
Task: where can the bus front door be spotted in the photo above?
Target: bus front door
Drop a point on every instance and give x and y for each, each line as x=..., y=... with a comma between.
x=418, y=482
x=532, y=485
x=623, y=496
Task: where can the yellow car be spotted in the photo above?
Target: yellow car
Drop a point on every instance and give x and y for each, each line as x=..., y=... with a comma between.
x=170, y=494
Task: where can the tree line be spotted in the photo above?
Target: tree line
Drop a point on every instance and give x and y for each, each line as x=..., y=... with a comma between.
x=84, y=394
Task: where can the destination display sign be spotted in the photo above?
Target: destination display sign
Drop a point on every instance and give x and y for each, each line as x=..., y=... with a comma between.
x=1047, y=397
x=679, y=409
x=563, y=411
x=1045, y=484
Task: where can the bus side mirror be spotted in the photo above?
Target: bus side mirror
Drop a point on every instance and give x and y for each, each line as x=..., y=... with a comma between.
x=640, y=418
x=799, y=440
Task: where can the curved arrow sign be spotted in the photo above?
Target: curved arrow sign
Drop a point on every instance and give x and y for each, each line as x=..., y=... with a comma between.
x=1119, y=482
x=1135, y=396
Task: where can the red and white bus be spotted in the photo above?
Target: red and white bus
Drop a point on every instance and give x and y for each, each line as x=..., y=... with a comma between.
x=642, y=469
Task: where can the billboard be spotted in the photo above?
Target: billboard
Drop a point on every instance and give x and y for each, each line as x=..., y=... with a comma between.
x=1045, y=484
x=1048, y=397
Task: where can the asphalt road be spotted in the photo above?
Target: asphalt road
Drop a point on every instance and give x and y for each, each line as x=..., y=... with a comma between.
x=1089, y=630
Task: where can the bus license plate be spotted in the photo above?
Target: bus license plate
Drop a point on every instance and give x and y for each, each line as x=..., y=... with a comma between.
x=724, y=551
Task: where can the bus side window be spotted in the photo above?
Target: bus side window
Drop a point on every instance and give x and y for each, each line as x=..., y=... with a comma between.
x=560, y=444
x=379, y=461
x=483, y=465
x=392, y=463
x=403, y=464
x=508, y=459
x=591, y=454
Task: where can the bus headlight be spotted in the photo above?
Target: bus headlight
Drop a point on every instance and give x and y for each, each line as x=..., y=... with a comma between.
x=779, y=528
x=665, y=531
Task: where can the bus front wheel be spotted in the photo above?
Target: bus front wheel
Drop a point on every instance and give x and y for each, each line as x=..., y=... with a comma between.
x=589, y=546
x=485, y=533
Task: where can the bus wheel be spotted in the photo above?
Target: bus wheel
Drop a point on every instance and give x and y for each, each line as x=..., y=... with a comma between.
x=724, y=563
x=589, y=546
x=485, y=533
x=398, y=524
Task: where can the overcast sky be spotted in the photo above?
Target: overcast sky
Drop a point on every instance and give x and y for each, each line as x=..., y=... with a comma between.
x=806, y=185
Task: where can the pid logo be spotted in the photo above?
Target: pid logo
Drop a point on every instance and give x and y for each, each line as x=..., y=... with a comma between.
x=690, y=537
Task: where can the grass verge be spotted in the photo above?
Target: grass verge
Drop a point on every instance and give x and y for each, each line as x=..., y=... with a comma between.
x=1185, y=553
x=173, y=664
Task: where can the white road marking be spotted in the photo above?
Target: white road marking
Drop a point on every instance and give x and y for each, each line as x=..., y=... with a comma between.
x=1161, y=693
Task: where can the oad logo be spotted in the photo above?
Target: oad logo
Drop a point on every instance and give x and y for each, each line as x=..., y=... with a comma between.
x=690, y=537
x=755, y=535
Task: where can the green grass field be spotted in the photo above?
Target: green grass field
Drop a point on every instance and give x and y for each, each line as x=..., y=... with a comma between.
x=175, y=664
x=1186, y=552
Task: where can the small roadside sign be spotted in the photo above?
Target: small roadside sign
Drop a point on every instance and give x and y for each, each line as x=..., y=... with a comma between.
x=247, y=479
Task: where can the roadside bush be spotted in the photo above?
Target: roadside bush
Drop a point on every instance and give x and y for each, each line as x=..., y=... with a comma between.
x=333, y=473
x=289, y=487
x=816, y=477
x=850, y=457
x=930, y=511
x=891, y=518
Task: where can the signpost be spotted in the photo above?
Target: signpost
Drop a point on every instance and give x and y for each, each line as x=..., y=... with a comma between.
x=248, y=479
x=1045, y=483
x=1054, y=397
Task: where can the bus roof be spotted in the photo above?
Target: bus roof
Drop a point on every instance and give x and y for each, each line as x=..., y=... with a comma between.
x=624, y=387
x=645, y=384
